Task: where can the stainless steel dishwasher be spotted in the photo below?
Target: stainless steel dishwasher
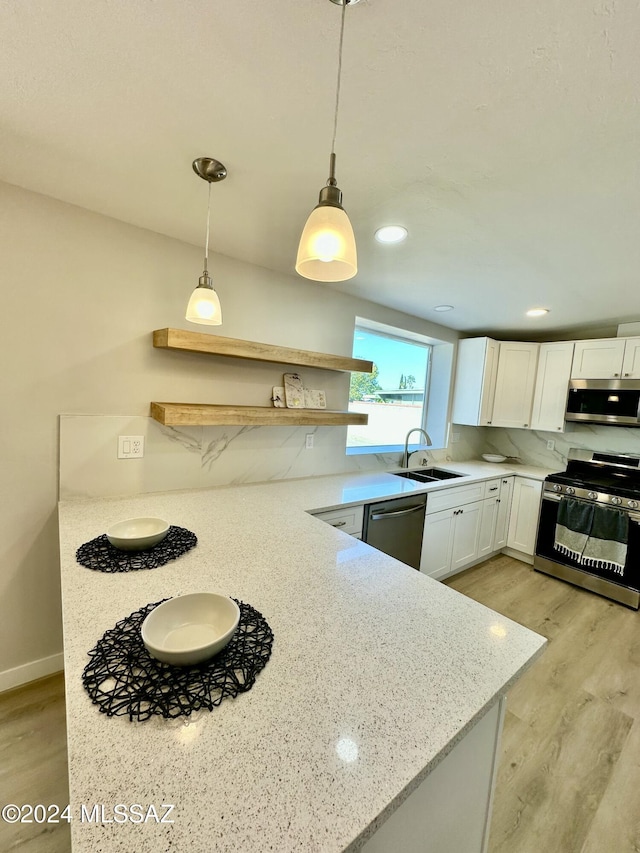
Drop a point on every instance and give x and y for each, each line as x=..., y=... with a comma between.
x=395, y=527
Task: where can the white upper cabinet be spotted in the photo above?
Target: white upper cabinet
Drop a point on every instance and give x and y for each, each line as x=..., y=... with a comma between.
x=552, y=386
x=494, y=382
x=602, y=359
x=475, y=386
x=631, y=360
x=513, y=401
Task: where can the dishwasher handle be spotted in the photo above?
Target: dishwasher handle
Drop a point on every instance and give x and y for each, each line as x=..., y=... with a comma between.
x=396, y=513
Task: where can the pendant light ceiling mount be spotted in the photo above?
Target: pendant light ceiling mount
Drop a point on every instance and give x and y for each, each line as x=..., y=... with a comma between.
x=209, y=169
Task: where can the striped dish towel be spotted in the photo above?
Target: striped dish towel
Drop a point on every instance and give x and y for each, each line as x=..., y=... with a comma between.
x=594, y=536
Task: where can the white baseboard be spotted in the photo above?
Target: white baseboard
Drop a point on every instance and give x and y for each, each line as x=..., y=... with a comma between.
x=518, y=555
x=19, y=675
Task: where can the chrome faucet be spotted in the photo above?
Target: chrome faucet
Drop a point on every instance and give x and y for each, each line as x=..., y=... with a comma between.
x=405, y=456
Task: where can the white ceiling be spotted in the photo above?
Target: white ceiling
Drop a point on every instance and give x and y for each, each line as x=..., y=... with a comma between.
x=504, y=134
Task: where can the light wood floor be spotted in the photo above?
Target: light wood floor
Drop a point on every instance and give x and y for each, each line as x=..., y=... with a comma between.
x=33, y=763
x=569, y=779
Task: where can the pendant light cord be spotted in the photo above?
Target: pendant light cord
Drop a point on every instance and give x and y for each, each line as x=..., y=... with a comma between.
x=335, y=118
x=206, y=244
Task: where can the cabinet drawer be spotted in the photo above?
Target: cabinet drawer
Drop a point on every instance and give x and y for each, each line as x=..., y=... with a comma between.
x=348, y=520
x=457, y=496
x=492, y=488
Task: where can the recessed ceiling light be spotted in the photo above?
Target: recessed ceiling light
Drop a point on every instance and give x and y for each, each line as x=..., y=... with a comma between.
x=443, y=308
x=537, y=312
x=391, y=234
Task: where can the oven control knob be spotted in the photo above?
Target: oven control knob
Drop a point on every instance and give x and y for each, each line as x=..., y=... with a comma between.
x=557, y=487
x=571, y=490
x=633, y=504
x=616, y=501
x=592, y=495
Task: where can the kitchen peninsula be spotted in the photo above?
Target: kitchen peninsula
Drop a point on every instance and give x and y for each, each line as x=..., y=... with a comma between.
x=379, y=679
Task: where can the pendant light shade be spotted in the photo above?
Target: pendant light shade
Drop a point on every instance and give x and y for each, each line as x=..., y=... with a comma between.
x=327, y=249
x=204, y=304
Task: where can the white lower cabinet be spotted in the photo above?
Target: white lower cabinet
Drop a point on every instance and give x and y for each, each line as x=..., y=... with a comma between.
x=504, y=510
x=464, y=533
x=437, y=543
x=347, y=519
x=488, y=521
x=450, y=539
x=523, y=520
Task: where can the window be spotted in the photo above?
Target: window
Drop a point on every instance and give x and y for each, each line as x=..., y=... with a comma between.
x=395, y=395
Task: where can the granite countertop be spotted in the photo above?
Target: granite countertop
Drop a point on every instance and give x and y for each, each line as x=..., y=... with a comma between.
x=376, y=672
x=333, y=492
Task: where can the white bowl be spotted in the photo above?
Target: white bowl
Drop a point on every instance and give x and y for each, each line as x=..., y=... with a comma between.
x=136, y=534
x=493, y=457
x=188, y=629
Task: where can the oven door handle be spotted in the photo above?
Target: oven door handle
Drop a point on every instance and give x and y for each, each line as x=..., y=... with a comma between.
x=633, y=515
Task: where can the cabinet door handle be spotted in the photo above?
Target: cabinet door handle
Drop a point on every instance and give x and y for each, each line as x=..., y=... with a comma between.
x=616, y=374
x=497, y=500
x=493, y=489
x=526, y=425
x=505, y=482
x=627, y=374
x=339, y=524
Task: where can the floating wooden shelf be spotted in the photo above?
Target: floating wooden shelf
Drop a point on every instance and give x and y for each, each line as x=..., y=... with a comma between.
x=204, y=414
x=180, y=339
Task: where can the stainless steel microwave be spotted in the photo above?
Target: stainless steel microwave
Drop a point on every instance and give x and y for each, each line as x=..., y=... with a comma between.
x=604, y=401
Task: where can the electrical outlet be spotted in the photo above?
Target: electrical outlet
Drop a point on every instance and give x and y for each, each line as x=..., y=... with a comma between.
x=309, y=441
x=551, y=445
x=130, y=446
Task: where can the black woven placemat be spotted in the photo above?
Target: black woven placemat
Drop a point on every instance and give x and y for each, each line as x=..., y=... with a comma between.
x=100, y=555
x=122, y=678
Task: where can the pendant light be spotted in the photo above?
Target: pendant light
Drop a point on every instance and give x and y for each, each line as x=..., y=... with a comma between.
x=204, y=305
x=327, y=250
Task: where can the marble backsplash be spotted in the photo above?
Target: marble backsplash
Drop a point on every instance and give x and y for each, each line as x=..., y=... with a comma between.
x=531, y=447
x=199, y=457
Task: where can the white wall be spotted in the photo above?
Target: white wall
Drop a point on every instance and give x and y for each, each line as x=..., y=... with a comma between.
x=80, y=296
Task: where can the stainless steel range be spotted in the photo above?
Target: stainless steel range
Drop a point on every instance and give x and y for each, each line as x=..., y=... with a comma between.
x=600, y=479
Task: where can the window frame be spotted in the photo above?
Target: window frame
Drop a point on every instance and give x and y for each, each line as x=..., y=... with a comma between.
x=405, y=337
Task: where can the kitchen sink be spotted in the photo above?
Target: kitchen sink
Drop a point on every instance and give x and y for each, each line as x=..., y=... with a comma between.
x=427, y=475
